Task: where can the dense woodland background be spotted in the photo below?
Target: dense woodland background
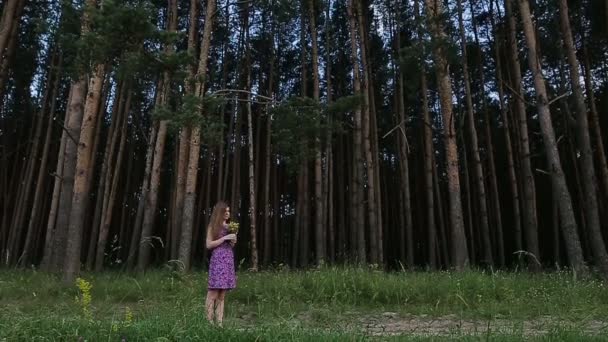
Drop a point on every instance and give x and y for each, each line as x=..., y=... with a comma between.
x=407, y=134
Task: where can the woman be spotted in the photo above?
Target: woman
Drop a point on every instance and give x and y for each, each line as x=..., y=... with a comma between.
x=222, y=276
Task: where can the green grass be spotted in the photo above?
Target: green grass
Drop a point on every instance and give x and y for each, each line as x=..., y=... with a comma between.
x=329, y=304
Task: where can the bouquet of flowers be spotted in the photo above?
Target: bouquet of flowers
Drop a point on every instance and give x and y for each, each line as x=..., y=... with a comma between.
x=233, y=227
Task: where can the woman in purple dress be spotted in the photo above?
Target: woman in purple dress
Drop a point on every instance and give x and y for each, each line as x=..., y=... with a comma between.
x=221, y=266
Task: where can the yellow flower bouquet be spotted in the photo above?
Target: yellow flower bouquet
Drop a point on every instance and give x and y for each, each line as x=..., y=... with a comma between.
x=233, y=227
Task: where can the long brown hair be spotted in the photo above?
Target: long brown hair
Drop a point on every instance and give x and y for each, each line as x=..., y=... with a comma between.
x=217, y=218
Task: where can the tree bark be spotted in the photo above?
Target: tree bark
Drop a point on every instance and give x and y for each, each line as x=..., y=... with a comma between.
x=80, y=197
x=528, y=183
x=48, y=257
x=191, y=178
x=495, y=195
x=143, y=196
x=328, y=188
x=558, y=179
x=504, y=113
x=26, y=179
x=55, y=67
x=358, y=162
x=459, y=250
x=319, y=201
x=428, y=149
x=76, y=111
x=9, y=16
x=474, y=146
x=595, y=126
x=584, y=147
x=151, y=202
x=366, y=127
x=108, y=212
x=9, y=26
x=268, y=236
x=104, y=183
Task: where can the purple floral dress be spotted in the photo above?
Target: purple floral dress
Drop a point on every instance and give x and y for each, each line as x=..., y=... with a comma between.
x=221, y=266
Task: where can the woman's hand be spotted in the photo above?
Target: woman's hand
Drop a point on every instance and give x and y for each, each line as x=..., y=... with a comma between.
x=230, y=237
x=233, y=242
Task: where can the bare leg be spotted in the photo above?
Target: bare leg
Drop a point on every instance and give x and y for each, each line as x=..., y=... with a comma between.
x=210, y=303
x=219, y=311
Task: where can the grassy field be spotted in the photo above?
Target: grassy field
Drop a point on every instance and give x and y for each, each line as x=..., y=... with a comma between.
x=330, y=304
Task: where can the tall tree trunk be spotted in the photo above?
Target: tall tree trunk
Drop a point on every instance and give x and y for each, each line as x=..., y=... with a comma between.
x=459, y=244
x=504, y=113
x=441, y=215
x=366, y=128
x=408, y=241
x=180, y=184
x=151, y=202
x=408, y=235
x=9, y=16
x=316, y=93
x=136, y=235
x=302, y=233
x=225, y=177
x=428, y=155
x=125, y=226
x=268, y=236
x=495, y=195
x=528, y=184
x=80, y=197
x=584, y=147
x=358, y=161
x=75, y=114
x=8, y=45
x=76, y=111
x=558, y=179
x=23, y=166
x=235, y=197
x=278, y=236
x=48, y=257
x=374, y=140
x=107, y=215
x=103, y=188
x=555, y=231
x=55, y=75
x=469, y=219
x=343, y=196
x=474, y=145
x=223, y=167
x=595, y=126
x=183, y=149
x=305, y=235
x=25, y=184
x=328, y=193
x=190, y=197
x=153, y=165
x=252, y=174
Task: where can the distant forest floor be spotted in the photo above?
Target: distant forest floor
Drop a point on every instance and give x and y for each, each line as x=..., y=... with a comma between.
x=328, y=304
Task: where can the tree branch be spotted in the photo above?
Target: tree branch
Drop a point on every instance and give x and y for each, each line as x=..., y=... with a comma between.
x=67, y=132
x=241, y=91
x=516, y=93
x=558, y=98
x=393, y=129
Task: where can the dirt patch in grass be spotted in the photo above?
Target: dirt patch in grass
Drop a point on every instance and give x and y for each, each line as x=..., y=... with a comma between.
x=390, y=323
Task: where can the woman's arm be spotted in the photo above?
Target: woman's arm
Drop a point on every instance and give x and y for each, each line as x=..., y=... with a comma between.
x=210, y=243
